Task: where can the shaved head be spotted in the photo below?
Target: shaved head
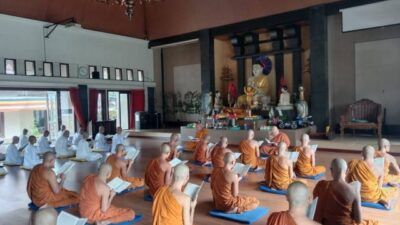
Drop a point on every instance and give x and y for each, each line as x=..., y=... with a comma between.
x=250, y=134
x=229, y=158
x=305, y=138
x=223, y=141
x=384, y=144
x=105, y=170
x=25, y=131
x=119, y=148
x=181, y=173
x=32, y=139
x=275, y=130
x=15, y=139
x=297, y=194
x=49, y=156
x=207, y=138
x=45, y=216
x=368, y=152
x=282, y=147
x=174, y=137
x=338, y=168
x=165, y=149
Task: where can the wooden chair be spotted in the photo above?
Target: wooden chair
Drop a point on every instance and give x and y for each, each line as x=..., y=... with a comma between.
x=363, y=115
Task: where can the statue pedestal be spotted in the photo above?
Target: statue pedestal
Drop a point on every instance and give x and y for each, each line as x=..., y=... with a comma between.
x=284, y=107
x=288, y=113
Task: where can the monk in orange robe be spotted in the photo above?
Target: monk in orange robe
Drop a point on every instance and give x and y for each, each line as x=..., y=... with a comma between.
x=275, y=137
x=297, y=197
x=121, y=166
x=371, y=184
x=96, y=197
x=305, y=165
x=251, y=152
x=279, y=169
x=225, y=189
x=171, y=206
x=173, y=144
x=43, y=187
x=200, y=133
x=217, y=154
x=339, y=203
x=392, y=179
x=158, y=172
x=202, y=153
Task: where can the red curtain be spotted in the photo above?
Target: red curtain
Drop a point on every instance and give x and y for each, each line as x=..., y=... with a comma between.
x=75, y=101
x=137, y=105
x=93, y=97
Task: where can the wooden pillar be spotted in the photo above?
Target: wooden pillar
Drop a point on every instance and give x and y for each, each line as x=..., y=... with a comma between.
x=241, y=75
x=297, y=71
x=279, y=71
x=83, y=98
x=207, y=61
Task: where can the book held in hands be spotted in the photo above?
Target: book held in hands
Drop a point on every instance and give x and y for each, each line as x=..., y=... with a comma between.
x=65, y=218
x=176, y=162
x=293, y=156
x=241, y=169
x=313, y=148
x=311, y=209
x=118, y=185
x=131, y=153
x=192, y=190
x=65, y=168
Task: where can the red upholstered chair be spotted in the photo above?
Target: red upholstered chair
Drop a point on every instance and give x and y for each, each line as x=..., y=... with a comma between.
x=363, y=115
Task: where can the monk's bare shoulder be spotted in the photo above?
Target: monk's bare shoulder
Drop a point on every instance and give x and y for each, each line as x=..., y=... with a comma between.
x=230, y=176
x=164, y=165
x=49, y=174
x=182, y=198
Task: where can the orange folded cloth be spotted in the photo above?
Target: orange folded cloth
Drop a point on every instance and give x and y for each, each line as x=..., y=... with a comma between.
x=166, y=209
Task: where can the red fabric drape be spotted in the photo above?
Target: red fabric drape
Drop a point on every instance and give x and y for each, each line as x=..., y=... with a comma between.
x=74, y=95
x=93, y=97
x=137, y=105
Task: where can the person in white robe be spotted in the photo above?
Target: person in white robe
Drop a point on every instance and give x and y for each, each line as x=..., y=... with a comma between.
x=62, y=147
x=31, y=154
x=44, y=143
x=77, y=138
x=117, y=139
x=100, y=141
x=23, y=139
x=61, y=131
x=13, y=154
x=84, y=152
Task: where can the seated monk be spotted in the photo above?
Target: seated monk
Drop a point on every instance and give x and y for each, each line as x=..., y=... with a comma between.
x=200, y=133
x=158, y=172
x=305, y=165
x=171, y=206
x=339, y=203
x=96, y=197
x=371, y=184
x=251, y=152
x=43, y=187
x=275, y=137
x=279, y=169
x=297, y=196
x=217, y=154
x=225, y=189
x=202, y=153
x=390, y=163
x=173, y=144
x=121, y=166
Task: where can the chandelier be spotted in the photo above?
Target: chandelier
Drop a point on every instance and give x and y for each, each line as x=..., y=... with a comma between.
x=128, y=4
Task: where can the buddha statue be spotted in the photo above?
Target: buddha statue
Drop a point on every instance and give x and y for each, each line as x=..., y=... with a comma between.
x=217, y=102
x=250, y=93
x=301, y=105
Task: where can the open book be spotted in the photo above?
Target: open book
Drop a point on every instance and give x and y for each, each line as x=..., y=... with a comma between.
x=176, y=162
x=241, y=169
x=313, y=148
x=192, y=138
x=311, y=209
x=260, y=142
x=379, y=164
x=270, y=142
x=131, y=153
x=292, y=156
x=118, y=185
x=211, y=145
x=192, y=190
x=68, y=219
x=65, y=168
x=236, y=155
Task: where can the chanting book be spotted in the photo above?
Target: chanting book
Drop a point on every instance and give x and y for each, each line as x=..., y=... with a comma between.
x=241, y=169
x=118, y=185
x=192, y=190
x=192, y=138
x=379, y=164
x=65, y=168
x=211, y=145
x=176, y=162
x=65, y=218
x=293, y=156
x=311, y=209
x=313, y=148
x=236, y=155
x=131, y=153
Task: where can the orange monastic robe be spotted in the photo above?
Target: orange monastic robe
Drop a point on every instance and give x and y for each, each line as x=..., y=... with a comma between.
x=40, y=192
x=387, y=177
x=217, y=157
x=222, y=194
x=275, y=176
x=281, y=218
x=166, y=209
x=332, y=207
x=271, y=150
x=370, y=189
x=116, y=172
x=154, y=176
x=191, y=145
x=90, y=205
x=200, y=153
x=304, y=166
x=249, y=156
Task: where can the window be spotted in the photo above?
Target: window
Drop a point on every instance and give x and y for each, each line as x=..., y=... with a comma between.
x=67, y=111
x=64, y=70
x=106, y=73
x=140, y=75
x=48, y=69
x=118, y=74
x=10, y=65
x=91, y=70
x=118, y=108
x=30, y=68
x=129, y=74
x=100, y=107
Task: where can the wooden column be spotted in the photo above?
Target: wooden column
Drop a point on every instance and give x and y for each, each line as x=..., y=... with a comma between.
x=297, y=71
x=83, y=98
x=241, y=75
x=279, y=71
x=207, y=61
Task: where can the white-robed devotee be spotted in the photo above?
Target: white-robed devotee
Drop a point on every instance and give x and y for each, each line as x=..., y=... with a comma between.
x=83, y=151
x=23, y=139
x=100, y=141
x=77, y=138
x=61, y=131
x=62, y=147
x=13, y=155
x=44, y=143
x=31, y=155
x=117, y=139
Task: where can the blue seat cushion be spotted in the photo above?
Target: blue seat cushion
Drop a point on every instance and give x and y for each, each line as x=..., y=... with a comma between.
x=206, y=178
x=315, y=177
x=130, y=222
x=258, y=170
x=128, y=190
x=273, y=191
x=197, y=163
x=247, y=217
x=35, y=208
x=374, y=205
x=148, y=198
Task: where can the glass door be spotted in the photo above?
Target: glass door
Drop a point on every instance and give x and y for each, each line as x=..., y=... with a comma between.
x=124, y=110
x=52, y=115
